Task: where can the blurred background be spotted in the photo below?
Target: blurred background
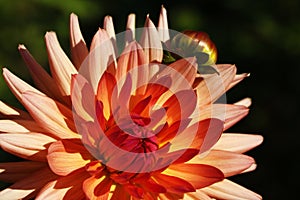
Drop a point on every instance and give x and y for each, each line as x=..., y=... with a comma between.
x=259, y=36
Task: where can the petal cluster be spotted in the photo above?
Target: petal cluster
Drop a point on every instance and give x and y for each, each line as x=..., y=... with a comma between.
x=111, y=124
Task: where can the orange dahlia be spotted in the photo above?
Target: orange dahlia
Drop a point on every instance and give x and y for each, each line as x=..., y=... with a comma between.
x=140, y=121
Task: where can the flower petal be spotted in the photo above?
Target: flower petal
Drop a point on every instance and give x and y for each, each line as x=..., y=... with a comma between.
x=213, y=86
x=29, y=186
x=244, y=102
x=51, y=115
x=41, y=78
x=66, y=156
x=60, y=65
x=10, y=112
x=196, y=195
x=79, y=51
x=163, y=29
x=130, y=29
x=31, y=146
x=19, y=126
x=14, y=171
x=108, y=25
x=197, y=174
x=228, y=162
x=16, y=85
x=237, y=142
x=67, y=187
x=151, y=43
x=97, y=188
x=229, y=190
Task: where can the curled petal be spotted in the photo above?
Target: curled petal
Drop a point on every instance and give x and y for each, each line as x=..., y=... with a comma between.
x=60, y=65
x=51, y=115
x=229, y=190
x=151, y=43
x=239, y=143
x=79, y=51
x=31, y=146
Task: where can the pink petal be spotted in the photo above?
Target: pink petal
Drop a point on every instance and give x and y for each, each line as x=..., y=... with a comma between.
x=29, y=186
x=67, y=188
x=215, y=85
x=238, y=78
x=14, y=171
x=66, y=156
x=228, y=162
x=229, y=113
x=39, y=75
x=31, y=146
x=163, y=29
x=79, y=51
x=19, y=126
x=244, y=102
x=130, y=29
x=108, y=25
x=198, y=175
x=238, y=143
x=11, y=112
x=151, y=43
x=230, y=190
x=51, y=115
x=60, y=65
x=16, y=85
x=196, y=195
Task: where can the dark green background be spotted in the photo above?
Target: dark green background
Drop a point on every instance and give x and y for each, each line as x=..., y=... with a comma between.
x=259, y=36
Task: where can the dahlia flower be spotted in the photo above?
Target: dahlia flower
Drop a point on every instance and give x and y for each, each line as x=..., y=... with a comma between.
x=137, y=122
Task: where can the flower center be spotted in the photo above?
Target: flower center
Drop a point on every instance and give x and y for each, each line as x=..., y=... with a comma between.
x=131, y=135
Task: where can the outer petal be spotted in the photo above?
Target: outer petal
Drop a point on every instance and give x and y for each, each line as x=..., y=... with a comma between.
x=19, y=126
x=238, y=143
x=151, y=43
x=39, y=75
x=229, y=190
x=51, y=115
x=11, y=112
x=28, y=186
x=130, y=29
x=60, y=65
x=79, y=51
x=31, y=146
x=14, y=171
x=108, y=25
x=196, y=195
x=66, y=156
x=16, y=85
x=228, y=162
x=67, y=188
x=163, y=29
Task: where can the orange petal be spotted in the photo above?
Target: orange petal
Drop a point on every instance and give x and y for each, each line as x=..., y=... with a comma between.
x=229, y=190
x=229, y=113
x=19, y=126
x=39, y=75
x=11, y=112
x=60, y=65
x=67, y=187
x=130, y=29
x=151, y=43
x=163, y=29
x=66, y=156
x=228, y=162
x=51, y=115
x=16, y=85
x=238, y=143
x=14, y=171
x=198, y=175
x=215, y=85
x=174, y=184
x=32, y=146
x=79, y=51
x=97, y=188
x=29, y=186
